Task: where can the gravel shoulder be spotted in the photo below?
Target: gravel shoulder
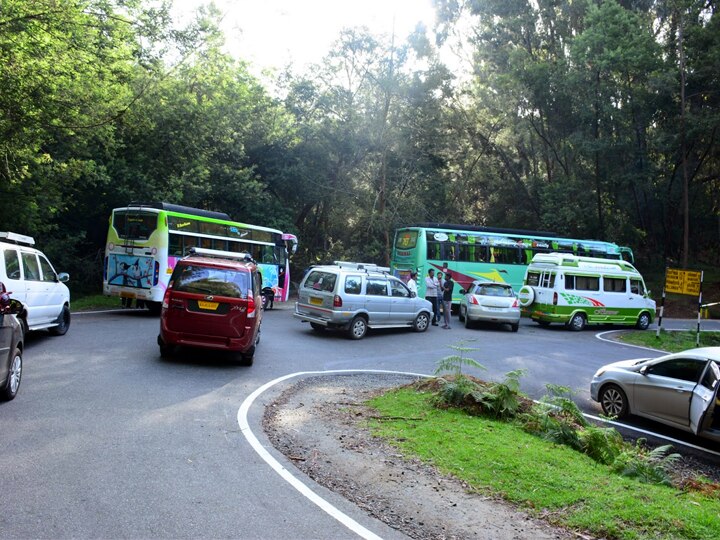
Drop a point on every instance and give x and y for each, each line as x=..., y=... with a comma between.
x=319, y=425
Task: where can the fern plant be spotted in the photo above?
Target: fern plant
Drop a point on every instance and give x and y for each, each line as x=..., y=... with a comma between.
x=501, y=400
x=456, y=389
x=652, y=467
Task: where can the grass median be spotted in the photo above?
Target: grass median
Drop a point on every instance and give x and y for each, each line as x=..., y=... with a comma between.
x=671, y=340
x=567, y=488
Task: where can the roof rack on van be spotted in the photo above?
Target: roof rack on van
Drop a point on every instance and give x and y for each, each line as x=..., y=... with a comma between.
x=368, y=267
x=241, y=256
x=16, y=238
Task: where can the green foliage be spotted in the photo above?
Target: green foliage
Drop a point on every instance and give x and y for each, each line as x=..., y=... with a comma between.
x=651, y=466
x=501, y=400
x=499, y=459
x=456, y=390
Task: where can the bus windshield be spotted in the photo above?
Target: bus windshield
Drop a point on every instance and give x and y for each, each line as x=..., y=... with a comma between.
x=133, y=224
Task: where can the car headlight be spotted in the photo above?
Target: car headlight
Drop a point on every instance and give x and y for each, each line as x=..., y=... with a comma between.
x=599, y=373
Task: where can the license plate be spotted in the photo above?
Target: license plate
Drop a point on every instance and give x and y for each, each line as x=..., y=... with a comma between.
x=211, y=306
x=316, y=301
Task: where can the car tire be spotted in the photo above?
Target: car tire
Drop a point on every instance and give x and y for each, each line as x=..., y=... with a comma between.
x=613, y=401
x=577, y=323
x=643, y=321
x=12, y=385
x=515, y=327
x=317, y=327
x=461, y=315
x=63, y=323
x=421, y=322
x=468, y=322
x=154, y=307
x=358, y=327
x=246, y=358
x=24, y=325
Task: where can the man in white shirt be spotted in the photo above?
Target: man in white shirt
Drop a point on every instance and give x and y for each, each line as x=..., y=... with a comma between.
x=431, y=294
x=412, y=284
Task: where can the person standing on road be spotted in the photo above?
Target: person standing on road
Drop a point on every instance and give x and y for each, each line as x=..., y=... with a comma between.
x=431, y=294
x=411, y=283
x=439, y=284
x=448, y=287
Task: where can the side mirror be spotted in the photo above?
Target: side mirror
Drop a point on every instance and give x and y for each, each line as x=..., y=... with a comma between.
x=413, y=294
x=63, y=277
x=643, y=370
x=16, y=307
x=463, y=291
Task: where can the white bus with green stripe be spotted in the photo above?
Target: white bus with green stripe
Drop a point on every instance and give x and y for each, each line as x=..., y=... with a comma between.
x=575, y=291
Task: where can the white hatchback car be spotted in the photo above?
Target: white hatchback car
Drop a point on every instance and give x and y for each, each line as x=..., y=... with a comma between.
x=489, y=301
x=32, y=280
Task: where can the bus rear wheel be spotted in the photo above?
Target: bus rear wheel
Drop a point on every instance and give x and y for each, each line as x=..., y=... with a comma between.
x=577, y=323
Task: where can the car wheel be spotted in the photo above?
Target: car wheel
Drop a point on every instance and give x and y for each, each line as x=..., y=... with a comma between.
x=515, y=327
x=422, y=321
x=63, y=323
x=12, y=385
x=166, y=351
x=358, y=328
x=613, y=401
x=643, y=321
x=317, y=327
x=577, y=322
x=468, y=323
x=24, y=325
x=154, y=307
x=246, y=358
x=462, y=316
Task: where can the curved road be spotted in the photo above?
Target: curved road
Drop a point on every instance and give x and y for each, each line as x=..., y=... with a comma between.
x=105, y=439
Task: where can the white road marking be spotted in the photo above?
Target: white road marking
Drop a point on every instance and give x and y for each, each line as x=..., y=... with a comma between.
x=331, y=510
x=601, y=337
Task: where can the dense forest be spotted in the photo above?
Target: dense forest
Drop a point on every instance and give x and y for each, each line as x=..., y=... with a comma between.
x=591, y=118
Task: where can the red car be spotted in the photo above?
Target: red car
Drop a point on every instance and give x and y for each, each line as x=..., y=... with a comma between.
x=213, y=301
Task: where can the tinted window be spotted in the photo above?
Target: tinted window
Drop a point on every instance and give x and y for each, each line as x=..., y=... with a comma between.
x=135, y=225
x=353, y=284
x=582, y=283
x=494, y=290
x=376, y=287
x=321, y=281
x=398, y=289
x=30, y=267
x=614, y=284
x=12, y=264
x=212, y=281
x=712, y=374
x=685, y=369
x=48, y=274
x=533, y=278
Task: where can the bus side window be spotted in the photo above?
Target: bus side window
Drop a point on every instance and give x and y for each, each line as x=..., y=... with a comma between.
x=175, y=245
x=636, y=287
x=569, y=282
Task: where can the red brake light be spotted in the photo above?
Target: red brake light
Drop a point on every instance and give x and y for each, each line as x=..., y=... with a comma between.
x=515, y=303
x=166, y=296
x=337, y=301
x=473, y=300
x=251, y=305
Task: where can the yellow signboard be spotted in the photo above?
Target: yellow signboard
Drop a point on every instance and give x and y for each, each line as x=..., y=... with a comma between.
x=683, y=281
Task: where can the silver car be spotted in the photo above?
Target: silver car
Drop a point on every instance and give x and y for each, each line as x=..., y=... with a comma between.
x=356, y=296
x=490, y=302
x=680, y=390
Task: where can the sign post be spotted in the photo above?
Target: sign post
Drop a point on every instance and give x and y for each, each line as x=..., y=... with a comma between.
x=688, y=282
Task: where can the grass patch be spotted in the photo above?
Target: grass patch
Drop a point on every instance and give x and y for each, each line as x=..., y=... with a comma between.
x=94, y=301
x=671, y=341
x=548, y=480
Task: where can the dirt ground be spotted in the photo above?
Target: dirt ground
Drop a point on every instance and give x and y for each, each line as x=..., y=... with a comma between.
x=319, y=425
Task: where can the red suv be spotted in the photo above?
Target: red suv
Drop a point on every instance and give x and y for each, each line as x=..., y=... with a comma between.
x=213, y=301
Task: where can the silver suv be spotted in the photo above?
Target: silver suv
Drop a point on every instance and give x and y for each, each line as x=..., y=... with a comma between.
x=357, y=296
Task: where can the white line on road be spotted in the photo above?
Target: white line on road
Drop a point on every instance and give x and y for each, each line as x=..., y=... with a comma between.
x=331, y=510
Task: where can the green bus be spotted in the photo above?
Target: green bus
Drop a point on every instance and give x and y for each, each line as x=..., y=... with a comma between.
x=145, y=240
x=476, y=253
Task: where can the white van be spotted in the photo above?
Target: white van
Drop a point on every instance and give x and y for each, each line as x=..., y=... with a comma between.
x=28, y=274
x=576, y=291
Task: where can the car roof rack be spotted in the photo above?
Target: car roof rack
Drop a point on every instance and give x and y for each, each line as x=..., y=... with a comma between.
x=16, y=238
x=368, y=267
x=219, y=254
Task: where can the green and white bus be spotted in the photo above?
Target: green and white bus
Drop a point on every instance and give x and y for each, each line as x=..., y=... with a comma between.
x=146, y=240
x=476, y=253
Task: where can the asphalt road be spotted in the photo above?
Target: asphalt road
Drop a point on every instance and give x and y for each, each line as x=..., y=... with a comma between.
x=107, y=440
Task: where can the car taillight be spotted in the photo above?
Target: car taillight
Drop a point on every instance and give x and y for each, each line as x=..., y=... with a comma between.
x=515, y=303
x=337, y=301
x=555, y=299
x=473, y=300
x=166, y=298
x=251, y=305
